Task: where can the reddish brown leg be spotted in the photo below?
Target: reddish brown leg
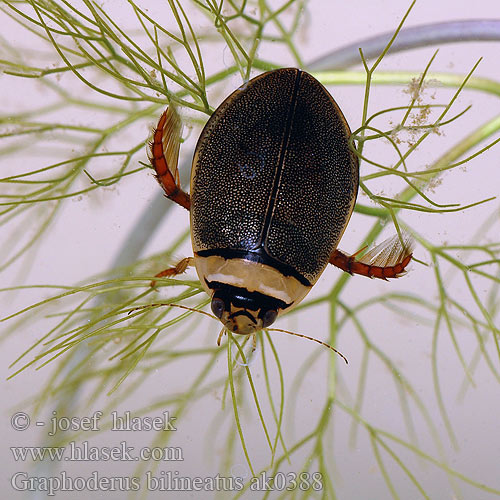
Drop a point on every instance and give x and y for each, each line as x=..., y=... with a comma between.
x=174, y=271
x=387, y=260
x=164, y=156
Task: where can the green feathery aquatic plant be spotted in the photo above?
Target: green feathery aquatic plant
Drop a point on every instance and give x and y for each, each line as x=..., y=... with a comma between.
x=102, y=347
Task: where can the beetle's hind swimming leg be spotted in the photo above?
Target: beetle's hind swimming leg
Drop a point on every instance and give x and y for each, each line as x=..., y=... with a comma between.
x=179, y=268
x=387, y=260
x=164, y=156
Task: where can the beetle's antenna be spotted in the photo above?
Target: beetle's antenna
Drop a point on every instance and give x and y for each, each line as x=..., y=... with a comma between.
x=160, y=304
x=192, y=309
x=310, y=338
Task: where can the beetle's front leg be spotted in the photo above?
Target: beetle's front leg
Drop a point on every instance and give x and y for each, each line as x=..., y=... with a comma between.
x=387, y=260
x=174, y=271
x=219, y=338
x=164, y=156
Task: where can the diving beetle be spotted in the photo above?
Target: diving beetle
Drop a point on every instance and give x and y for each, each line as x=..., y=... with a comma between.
x=273, y=185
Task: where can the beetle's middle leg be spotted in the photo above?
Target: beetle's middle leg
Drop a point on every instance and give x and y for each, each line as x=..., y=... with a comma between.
x=164, y=156
x=387, y=260
x=179, y=268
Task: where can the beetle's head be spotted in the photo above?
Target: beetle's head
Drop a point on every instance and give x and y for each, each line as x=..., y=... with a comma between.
x=244, y=312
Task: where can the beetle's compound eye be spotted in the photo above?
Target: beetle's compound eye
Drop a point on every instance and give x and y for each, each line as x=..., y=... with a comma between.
x=218, y=307
x=269, y=318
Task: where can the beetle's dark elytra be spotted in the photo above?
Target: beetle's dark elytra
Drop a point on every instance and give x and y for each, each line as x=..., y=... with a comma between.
x=273, y=185
x=273, y=177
